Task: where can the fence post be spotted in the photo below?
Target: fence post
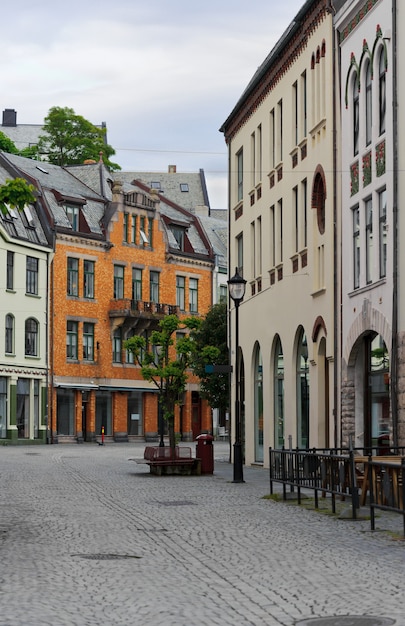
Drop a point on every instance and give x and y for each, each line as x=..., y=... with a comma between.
x=353, y=483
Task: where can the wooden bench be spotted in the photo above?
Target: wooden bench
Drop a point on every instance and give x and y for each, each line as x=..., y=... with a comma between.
x=162, y=461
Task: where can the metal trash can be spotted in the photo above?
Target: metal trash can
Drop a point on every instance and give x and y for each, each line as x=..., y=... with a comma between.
x=205, y=452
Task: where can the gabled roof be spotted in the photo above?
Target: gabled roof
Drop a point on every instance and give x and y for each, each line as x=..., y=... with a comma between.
x=59, y=188
x=22, y=226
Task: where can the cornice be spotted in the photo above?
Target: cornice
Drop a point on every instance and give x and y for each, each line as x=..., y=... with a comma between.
x=356, y=19
x=276, y=70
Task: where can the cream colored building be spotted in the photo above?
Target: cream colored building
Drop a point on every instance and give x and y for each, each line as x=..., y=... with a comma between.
x=282, y=205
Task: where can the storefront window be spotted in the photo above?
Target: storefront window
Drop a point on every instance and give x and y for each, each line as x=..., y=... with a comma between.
x=135, y=422
x=65, y=411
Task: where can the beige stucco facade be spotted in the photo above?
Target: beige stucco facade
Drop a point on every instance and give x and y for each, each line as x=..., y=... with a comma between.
x=280, y=138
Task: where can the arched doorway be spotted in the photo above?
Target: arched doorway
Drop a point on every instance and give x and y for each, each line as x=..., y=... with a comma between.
x=279, y=441
x=258, y=404
x=302, y=391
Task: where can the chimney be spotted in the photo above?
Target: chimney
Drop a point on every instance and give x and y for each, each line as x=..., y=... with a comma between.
x=172, y=169
x=9, y=117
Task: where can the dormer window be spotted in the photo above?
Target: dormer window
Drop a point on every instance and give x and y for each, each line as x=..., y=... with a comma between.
x=72, y=213
x=155, y=185
x=179, y=235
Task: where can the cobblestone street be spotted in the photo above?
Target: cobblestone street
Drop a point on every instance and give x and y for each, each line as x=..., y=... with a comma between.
x=88, y=537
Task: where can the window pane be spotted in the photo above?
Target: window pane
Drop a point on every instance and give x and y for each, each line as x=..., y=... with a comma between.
x=88, y=341
x=32, y=275
x=73, y=277
x=88, y=281
x=71, y=340
x=180, y=289
x=31, y=337
x=118, y=281
x=193, y=295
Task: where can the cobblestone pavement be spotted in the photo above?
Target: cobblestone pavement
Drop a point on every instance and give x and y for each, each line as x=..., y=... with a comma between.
x=89, y=538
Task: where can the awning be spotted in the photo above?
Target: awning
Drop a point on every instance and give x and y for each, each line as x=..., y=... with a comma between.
x=83, y=386
x=112, y=388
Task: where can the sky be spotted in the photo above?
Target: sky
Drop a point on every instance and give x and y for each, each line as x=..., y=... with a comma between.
x=163, y=74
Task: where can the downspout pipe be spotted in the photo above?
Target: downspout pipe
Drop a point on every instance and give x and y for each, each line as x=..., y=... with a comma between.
x=395, y=300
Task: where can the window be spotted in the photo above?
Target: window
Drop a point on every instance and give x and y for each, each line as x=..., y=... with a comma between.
x=368, y=104
x=356, y=112
x=304, y=103
x=382, y=235
x=305, y=211
x=223, y=294
x=279, y=143
x=179, y=234
x=10, y=270
x=382, y=92
x=29, y=225
x=117, y=346
x=136, y=284
x=295, y=113
x=296, y=218
x=126, y=226
x=184, y=187
x=32, y=275
x=72, y=213
x=31, y=337
x=88, y=341
x=279, y=394
x=154, y=287
x=253, y=159
x=180, y=292
x=193, y=295
x=72, y=276
x=239, y=253
x=144, y=240
x=272, y=139
x=133, y=229
x=155, y=185
x=356, y=248
x=71, y=340
x=150, y=230
x=9, y=334
x=118, y=281
x=369, y=240
x=88, y=279
x=279, y=240
x=318, y=201
x=239, y=159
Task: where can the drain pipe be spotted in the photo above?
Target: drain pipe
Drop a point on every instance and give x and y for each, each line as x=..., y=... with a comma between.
x=395, y=301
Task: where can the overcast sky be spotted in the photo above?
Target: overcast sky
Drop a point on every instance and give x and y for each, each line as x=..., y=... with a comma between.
x=163, y=74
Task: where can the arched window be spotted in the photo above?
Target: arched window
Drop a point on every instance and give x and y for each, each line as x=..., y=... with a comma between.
x=318, y=200
x=258, y=373
x=278, y=395
x=302, y=392
x=382, y=91
x=9, y=339
x=356, y=115
x=31, y=337
x=368, y=104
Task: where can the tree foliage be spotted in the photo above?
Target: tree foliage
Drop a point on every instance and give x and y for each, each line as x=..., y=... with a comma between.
x=70, y=139
x=212, y=332
x=165, y=361
x=6, y=145
x=16, y=193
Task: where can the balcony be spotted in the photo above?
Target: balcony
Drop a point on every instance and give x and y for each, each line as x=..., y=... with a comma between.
x=139, y=314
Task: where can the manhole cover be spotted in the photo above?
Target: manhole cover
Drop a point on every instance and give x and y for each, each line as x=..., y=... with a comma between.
x=350, y=620
x=106, y=557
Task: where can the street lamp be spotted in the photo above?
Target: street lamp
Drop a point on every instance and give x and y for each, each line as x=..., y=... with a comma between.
x=237, y=286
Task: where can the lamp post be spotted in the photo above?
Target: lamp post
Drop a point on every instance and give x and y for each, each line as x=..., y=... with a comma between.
x=237, y=286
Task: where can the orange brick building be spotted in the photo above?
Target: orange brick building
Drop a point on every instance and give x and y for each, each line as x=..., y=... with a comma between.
x=123, y=258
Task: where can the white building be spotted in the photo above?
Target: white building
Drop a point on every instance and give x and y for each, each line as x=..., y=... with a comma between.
x=24, y=256
x=282, y=205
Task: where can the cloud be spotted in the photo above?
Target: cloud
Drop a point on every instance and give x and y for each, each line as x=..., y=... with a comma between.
x=163, y=75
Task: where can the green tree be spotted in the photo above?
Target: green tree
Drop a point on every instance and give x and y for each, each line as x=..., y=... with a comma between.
x=6, y=145
x=212, y=332
x=16, y=193
x=70, y=139
x=165, y=361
